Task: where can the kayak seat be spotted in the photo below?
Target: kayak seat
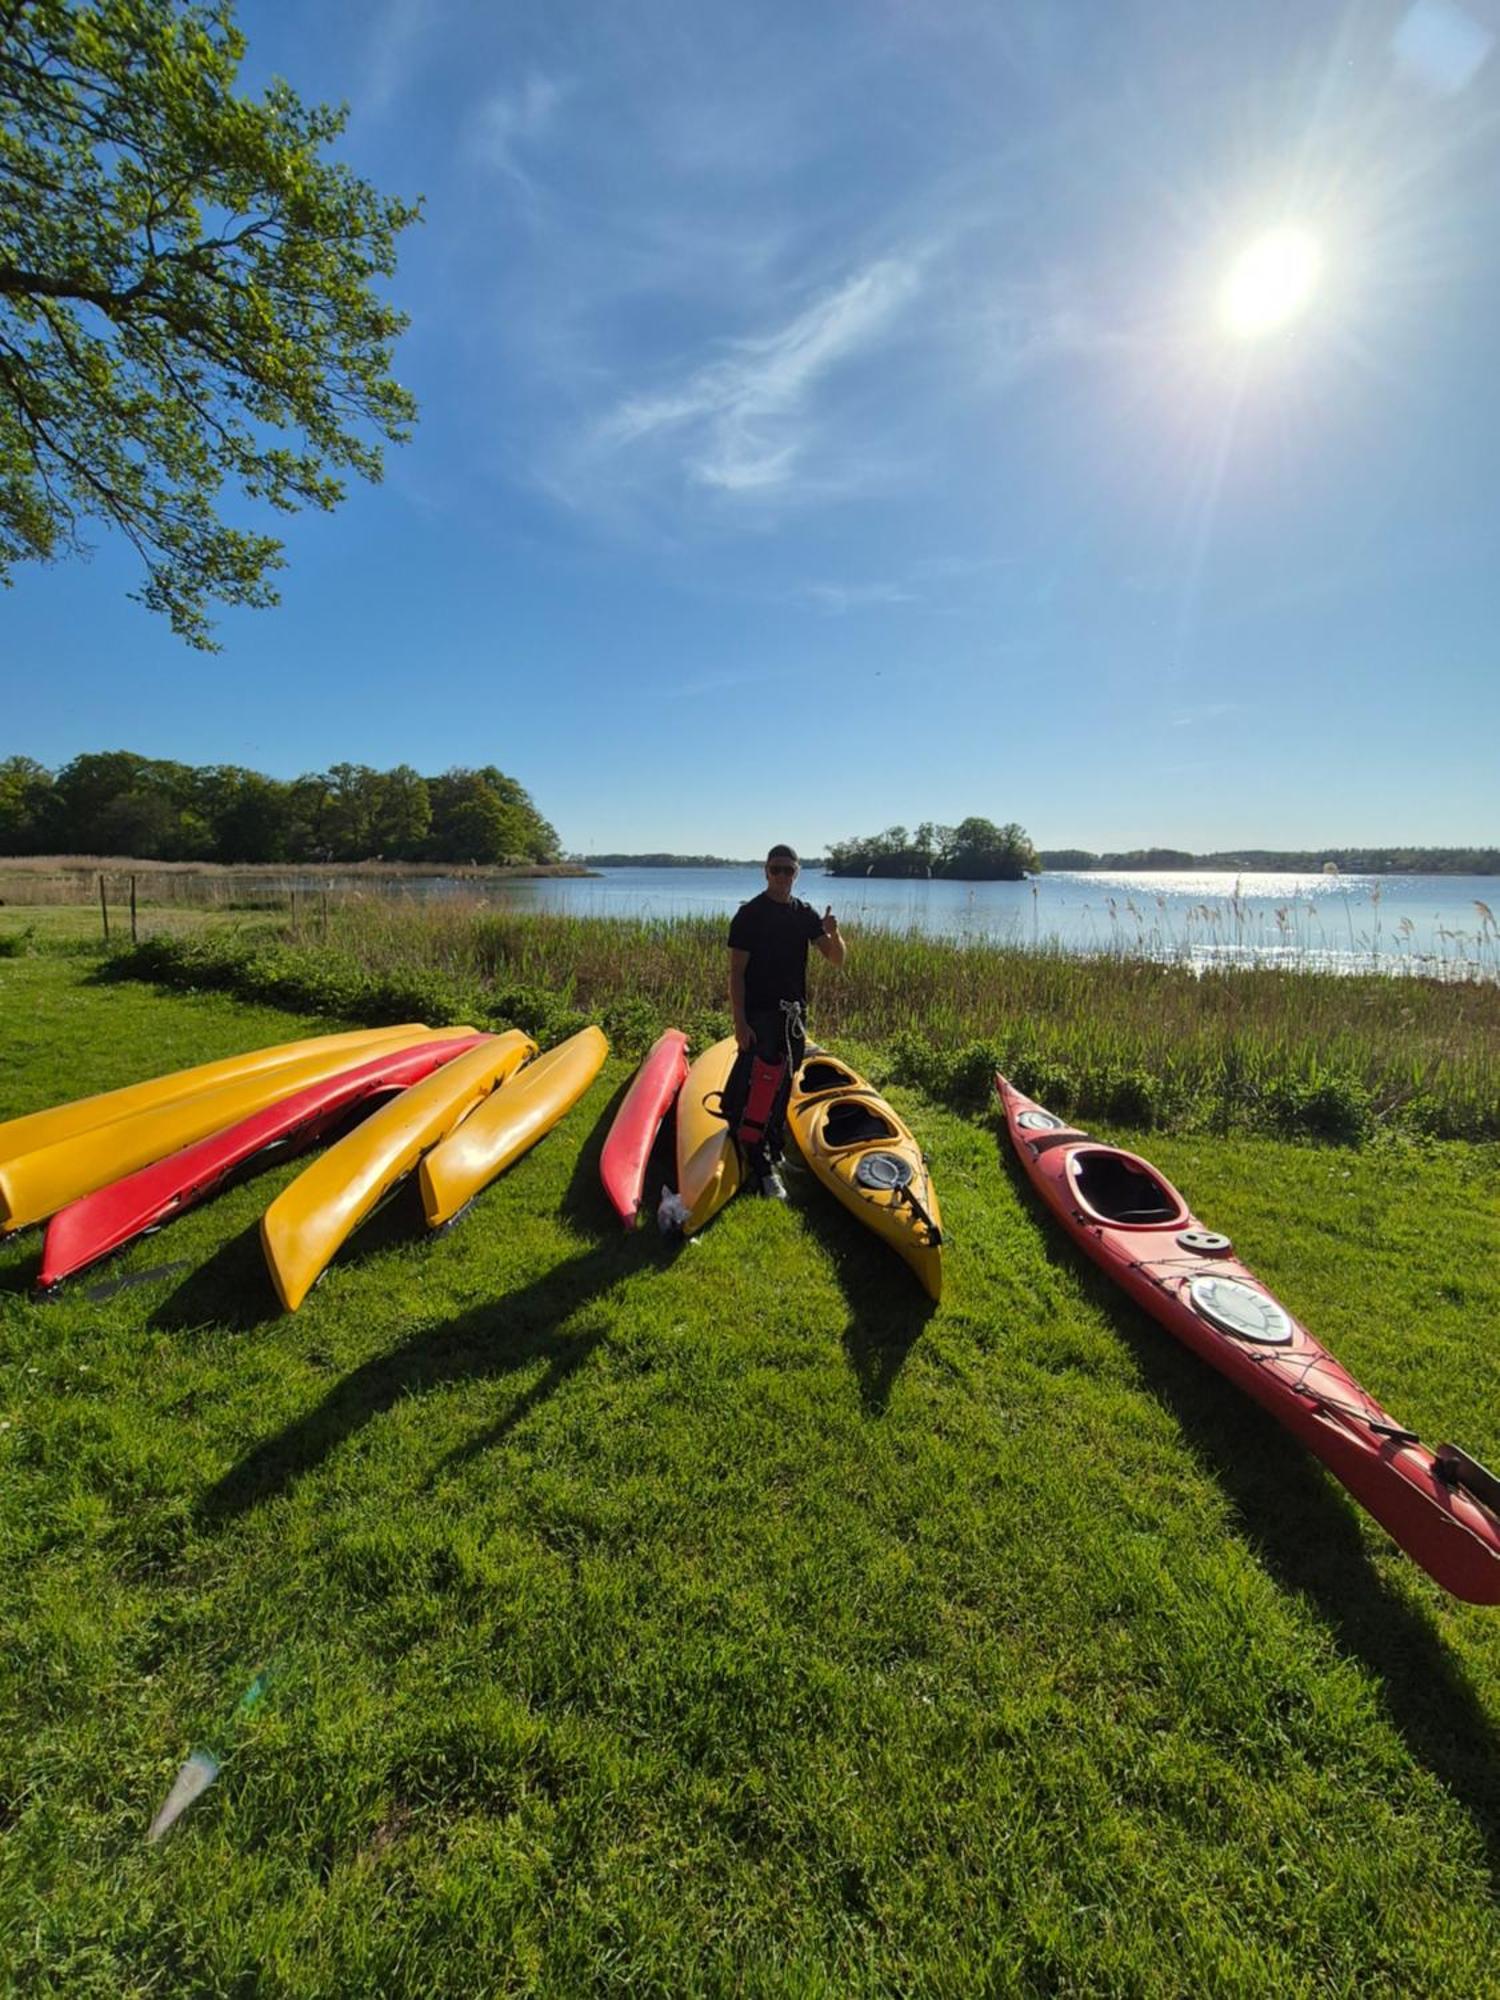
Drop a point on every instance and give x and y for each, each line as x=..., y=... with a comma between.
x=853, y=1124
x=1120, y=1192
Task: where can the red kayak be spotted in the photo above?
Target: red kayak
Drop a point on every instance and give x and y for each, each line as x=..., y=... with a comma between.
x=92, y=1227
x=1442, y=1507
x=622, y=1164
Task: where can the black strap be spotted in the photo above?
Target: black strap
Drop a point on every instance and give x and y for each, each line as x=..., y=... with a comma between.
x=935, y=1234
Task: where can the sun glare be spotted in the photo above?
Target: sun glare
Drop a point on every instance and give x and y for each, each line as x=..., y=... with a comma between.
x=1270, y=283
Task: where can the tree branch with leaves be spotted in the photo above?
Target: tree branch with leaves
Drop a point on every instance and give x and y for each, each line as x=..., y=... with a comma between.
x=189, y=300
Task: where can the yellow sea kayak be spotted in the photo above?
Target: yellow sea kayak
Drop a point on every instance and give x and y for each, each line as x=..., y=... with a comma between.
x=709, y=1167
x=489, y=1139
x=62, y=1121
x=36, y=1184
x=862, y=1153
x=308, y=1221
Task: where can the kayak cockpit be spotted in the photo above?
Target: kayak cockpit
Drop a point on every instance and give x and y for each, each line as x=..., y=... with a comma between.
x=821, y=1073
x=855, y=1122
x=1122, y=1191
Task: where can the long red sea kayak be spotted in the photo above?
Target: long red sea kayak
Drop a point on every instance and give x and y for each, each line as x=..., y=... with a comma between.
x=92, y=1227
x=1442, y=1507
x=622, y=1164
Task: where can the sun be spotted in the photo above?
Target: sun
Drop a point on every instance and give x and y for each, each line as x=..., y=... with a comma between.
x=1271, y=282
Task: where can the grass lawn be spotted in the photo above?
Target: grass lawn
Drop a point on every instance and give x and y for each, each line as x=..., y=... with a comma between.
x=721, y=1618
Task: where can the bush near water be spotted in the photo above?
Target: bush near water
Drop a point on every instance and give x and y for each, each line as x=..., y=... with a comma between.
x=1300, y=1053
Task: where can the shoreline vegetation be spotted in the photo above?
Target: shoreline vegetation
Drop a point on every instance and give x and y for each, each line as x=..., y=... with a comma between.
x=1145, y=860
x=117, y=802
x=1284, y=861
x=1106, y=1035
x=71, y=879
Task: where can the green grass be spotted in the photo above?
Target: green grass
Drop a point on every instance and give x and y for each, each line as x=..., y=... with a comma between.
x=724, y=1620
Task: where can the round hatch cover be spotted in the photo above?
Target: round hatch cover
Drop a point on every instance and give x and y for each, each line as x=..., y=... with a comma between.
x=1240, y=1309
x=1039, y=1121
x=1209, y=1241
x=882, y=1170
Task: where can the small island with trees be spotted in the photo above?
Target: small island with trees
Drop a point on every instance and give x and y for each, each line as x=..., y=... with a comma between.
x=976, y=850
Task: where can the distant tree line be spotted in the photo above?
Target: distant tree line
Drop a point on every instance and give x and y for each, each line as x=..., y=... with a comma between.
x=676, y=861
x=976, y=850
x=1354, y=860
x=115, y=802
x=660, y=861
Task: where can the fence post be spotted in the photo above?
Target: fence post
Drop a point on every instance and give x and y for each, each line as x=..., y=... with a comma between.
x=133, y=938
x=104, y=909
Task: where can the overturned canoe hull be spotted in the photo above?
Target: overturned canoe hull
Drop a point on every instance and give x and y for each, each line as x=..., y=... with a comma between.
x=495, y=1135
x=308, y=1221
x=37, y=1184
x=83, y=1114
x=709, y=1166
x=111, y=1217
x=622, y=1164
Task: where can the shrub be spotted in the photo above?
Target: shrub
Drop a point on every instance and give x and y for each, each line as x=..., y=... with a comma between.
x=1321, y=1105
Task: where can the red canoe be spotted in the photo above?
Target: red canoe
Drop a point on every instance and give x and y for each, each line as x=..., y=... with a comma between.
x=622, y=1164
x=92, y=1227
x=1442, y=1507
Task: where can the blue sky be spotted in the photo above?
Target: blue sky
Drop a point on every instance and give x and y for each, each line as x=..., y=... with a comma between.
x=827, y=421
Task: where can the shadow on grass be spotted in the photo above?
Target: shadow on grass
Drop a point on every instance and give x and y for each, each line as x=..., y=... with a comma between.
x=491, y=1341
x=887, y=1307
x=232, y=1288
x=1304, y=1528
x=585, y=1206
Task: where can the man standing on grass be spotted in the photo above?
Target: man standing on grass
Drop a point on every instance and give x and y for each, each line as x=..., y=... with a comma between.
x=768, y=940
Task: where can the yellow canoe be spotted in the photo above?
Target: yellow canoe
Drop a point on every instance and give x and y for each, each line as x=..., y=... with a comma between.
x=862, y=1153
x=709, y=1167
x=38, y=1183
x=63, y=1121
x=308, y=1221
x=489, y=1139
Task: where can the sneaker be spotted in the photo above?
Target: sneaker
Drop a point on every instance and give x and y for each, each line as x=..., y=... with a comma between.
x=772, y=1187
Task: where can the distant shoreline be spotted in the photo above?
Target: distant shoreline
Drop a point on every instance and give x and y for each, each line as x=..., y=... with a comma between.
x=1158, y=861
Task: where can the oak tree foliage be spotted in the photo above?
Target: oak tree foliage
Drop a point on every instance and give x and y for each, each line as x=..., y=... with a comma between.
x=189, y=299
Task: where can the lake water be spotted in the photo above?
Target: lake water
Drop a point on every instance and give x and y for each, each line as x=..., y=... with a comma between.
x=1434, y=924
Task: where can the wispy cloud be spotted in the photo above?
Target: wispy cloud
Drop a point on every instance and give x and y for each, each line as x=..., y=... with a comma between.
x=513, y=118
x=841, y=597
x=396, y=29
x=741, y=424
x=1212, y=711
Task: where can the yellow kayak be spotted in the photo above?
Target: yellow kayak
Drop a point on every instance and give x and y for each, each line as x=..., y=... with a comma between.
x=860, y=1150
x=709, y=1167
x=489, y=1139
x=308, y=1221
x=63, y=1121
x=36, y=1184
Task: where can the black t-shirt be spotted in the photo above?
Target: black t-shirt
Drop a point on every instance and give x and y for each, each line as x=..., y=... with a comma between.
x=776, y=935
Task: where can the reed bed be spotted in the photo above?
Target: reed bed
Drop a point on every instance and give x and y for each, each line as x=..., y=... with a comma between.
x=1107, y=1033
x=33, y=881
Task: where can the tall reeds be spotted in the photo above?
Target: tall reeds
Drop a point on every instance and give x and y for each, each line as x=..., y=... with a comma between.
x=1306, y=1050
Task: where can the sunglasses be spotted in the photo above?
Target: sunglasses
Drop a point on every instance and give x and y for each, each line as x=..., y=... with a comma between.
x=780, y=868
